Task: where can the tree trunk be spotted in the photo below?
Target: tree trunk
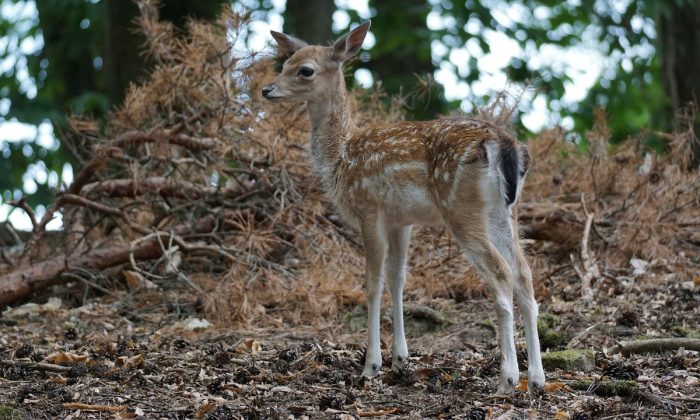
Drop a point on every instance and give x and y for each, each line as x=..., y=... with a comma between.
x=403, y=54
x=679, y=40
x=69, y=40
x=310, y=20
x=124, y=61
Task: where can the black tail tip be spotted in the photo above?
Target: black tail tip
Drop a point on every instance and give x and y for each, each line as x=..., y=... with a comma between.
x=510, y=170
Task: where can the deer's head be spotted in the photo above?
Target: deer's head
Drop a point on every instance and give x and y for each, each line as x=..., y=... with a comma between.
x=311, y=72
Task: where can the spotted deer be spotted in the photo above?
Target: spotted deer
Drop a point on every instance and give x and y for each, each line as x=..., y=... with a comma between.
x=464, y=173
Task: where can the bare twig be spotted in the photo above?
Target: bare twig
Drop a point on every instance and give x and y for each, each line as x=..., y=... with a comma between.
x=89, y=283
x=22, y=204
x=78, y=200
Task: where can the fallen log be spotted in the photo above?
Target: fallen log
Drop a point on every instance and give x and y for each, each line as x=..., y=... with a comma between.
x=29, y=278
x=655, y=345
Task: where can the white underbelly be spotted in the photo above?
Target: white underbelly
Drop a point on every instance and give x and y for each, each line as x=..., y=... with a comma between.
x=409, y=205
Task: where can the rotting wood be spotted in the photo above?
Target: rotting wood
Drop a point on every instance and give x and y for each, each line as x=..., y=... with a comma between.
x=655, y=345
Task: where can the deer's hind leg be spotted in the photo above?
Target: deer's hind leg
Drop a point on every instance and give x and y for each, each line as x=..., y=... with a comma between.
x=494, y=270
x=504, y=235
x=465, y=212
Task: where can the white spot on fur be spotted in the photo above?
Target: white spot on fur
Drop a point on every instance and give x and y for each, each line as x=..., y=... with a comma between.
x=405, y=166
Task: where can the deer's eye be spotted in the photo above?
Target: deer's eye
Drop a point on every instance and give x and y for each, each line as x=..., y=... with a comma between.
x=305, y=71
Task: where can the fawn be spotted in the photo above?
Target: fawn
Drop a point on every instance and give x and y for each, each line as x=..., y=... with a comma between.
x=464, y=173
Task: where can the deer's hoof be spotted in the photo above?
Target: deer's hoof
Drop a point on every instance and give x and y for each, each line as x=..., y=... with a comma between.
x=399, y=361
x=371, y=369
x=507, y=385
x=535, y=383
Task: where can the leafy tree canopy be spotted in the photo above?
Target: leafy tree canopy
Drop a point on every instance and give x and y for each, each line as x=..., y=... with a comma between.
x=51, y=62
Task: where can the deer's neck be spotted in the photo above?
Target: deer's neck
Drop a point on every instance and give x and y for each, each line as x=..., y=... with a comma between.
x=331, y=127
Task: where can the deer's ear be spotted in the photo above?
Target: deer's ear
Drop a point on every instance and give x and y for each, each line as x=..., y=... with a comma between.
x=288, y=45
x=350, y=44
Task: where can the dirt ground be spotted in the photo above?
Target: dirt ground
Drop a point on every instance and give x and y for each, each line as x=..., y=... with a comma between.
x=142, y=353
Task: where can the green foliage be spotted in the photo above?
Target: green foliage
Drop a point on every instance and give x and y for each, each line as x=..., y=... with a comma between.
x=50, y=61
x=630, y=87
x=9, y=412
x=401, y=58
x=17, y=157
x=51, y=69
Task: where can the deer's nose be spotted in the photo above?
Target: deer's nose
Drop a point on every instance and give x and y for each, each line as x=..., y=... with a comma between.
x=267, y=90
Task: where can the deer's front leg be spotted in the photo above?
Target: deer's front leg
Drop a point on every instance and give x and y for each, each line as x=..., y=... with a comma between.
x=398, y=239
x=374, y=237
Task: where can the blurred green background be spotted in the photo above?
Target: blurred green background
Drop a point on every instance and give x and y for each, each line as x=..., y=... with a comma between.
x=638, y=59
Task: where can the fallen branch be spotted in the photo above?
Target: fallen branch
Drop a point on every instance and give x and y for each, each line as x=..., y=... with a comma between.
x=166, y=136
x=28, y=278
x=45, y=367
x=94, y=407
x=626, y=389
x=78, y=200
x=160, y=185
x=590, y=270
x=655, y=345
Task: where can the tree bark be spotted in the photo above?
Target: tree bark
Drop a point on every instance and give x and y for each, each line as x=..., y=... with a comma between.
x=679, y=40
x=123, y=61
x=310, y=20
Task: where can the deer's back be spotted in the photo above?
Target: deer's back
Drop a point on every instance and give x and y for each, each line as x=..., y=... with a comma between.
x=409, y=168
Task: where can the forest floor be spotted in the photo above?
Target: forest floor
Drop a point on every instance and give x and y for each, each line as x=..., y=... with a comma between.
x=139, y=354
